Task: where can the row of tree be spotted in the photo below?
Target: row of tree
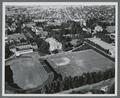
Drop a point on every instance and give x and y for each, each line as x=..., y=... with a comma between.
x=8, y=53
x=69, y=82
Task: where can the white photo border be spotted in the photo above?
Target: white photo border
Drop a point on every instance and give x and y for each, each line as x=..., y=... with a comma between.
x=4, y=4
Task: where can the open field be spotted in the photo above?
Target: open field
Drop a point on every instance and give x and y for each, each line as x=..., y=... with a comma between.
x=28, y=72
x=76, y=63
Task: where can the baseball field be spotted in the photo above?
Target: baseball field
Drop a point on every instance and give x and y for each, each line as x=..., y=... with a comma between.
x=75, y=63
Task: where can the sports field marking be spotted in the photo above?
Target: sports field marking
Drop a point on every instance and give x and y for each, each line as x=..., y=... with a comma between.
x=61, y=61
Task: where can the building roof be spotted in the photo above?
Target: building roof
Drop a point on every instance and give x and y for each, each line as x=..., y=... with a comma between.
x=105, y=45
x=54, y=44
x=39, y=20
x=16, y=36
x=23, y=48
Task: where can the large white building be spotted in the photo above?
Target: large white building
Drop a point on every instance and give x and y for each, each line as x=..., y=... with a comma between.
x=54, y=44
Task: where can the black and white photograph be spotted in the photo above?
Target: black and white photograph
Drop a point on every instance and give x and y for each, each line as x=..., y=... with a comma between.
x=59, y=49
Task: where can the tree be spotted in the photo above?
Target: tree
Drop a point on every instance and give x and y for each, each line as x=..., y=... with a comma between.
x=106, y=74
x=44, y=47
x=99, y=76
x=46, y=89
x=66, y=83
x=8, y=75
x=95, y=78
x=84, y=79
x=8, y=53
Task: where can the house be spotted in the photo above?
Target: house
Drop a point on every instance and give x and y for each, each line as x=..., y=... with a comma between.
x=34, y=46
x=87, y=30
x=37, y=30
x=43, y=34
x=31, y=24
x=54, y=44
x=82, y=21
x=39, y=20
x=110, y=29
x=54, y=23
x=98, y=29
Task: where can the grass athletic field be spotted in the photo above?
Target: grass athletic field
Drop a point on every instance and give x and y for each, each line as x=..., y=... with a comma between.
x=75, y=63
x=28, y=72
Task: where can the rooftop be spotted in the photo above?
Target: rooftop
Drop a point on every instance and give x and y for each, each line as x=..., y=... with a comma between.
x=16, y=36
x=104, y=44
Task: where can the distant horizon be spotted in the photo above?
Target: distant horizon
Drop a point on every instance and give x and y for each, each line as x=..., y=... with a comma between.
x=56, y=6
